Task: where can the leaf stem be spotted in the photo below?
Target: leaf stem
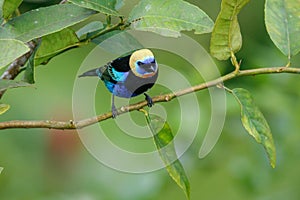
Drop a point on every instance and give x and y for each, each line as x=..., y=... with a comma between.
x=17, y=11
x=143, y=111
x=235, y=63
x=108, y=20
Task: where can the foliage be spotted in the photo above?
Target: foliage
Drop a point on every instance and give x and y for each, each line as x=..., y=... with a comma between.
x=8, y=84
x=3, y=108
x=55, y=43
x=9, y=7
x=163, y=139
x=30, y=66
x=226, y=36
x=106, y=7
x=11, y=49
x=61, y=27
x=163, y=17
x=255, y=123
x=282, y=22
x=43, y=21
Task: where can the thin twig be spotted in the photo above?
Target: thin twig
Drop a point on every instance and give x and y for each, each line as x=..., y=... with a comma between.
x=160, y=98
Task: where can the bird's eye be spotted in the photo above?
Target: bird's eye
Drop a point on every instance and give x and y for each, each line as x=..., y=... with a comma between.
x=153, y=61
x=139, y=63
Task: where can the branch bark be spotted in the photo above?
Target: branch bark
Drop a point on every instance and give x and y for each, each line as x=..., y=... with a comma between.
x=160, y=98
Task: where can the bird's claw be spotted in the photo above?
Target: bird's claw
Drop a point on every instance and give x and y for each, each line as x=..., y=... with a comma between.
x=149, y=100
x=114, y=112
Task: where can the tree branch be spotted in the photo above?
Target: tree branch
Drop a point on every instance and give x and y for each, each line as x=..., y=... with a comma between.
x=160, y=98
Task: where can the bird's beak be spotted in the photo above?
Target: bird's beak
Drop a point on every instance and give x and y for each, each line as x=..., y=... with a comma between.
x=153, y=68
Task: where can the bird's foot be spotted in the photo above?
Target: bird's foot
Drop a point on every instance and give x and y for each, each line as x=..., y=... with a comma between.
x=114, y=111
x=149, y=100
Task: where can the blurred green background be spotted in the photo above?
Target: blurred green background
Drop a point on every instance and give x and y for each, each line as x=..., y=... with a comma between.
x=51, y=164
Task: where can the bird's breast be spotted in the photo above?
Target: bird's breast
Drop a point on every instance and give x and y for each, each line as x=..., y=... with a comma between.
x=131, y=86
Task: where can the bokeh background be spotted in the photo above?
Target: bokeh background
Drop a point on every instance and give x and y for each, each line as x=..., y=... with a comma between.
x=50, y=164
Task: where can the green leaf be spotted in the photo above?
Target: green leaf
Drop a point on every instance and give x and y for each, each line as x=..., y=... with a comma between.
x=118, y=42
x=4, y=33
x=255, y=123
x=9, y=7
x=1, y=169
x=119, y=4
x=282, y=20
x=43, y=21
x=3, y=109
x=1, y=10
x=163, y=139
x=169, y=17
x=89, y=28
x=54, y=44
x=29, y=66
x=11, y=50
x=106, y=7
x=226, y=36
x=7, y=84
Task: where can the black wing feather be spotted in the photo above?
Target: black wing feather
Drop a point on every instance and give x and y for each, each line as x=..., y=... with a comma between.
x=121, y=64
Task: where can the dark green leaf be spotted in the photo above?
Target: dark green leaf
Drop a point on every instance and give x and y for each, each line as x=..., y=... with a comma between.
x=11, y=50
x=44, y=21
x=226, y=36
x=169, y=17
x=7, y=84
x=29, y=67
x=163, y=139
x=54, y=44
x=282, y=20
x=118, y=42
x=3, y=109
x=89, y=28
x=9, y=7
x=106, y=7
x=255, y=123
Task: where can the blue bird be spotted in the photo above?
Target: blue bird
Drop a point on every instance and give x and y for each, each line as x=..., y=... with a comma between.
x=128, y=76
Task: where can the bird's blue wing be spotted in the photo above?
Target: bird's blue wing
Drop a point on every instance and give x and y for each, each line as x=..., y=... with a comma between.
x=118, y=69
x=116, y=75
x=114, y=71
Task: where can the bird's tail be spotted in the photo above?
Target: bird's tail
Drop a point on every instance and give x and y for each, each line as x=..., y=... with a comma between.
x=93, y=72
